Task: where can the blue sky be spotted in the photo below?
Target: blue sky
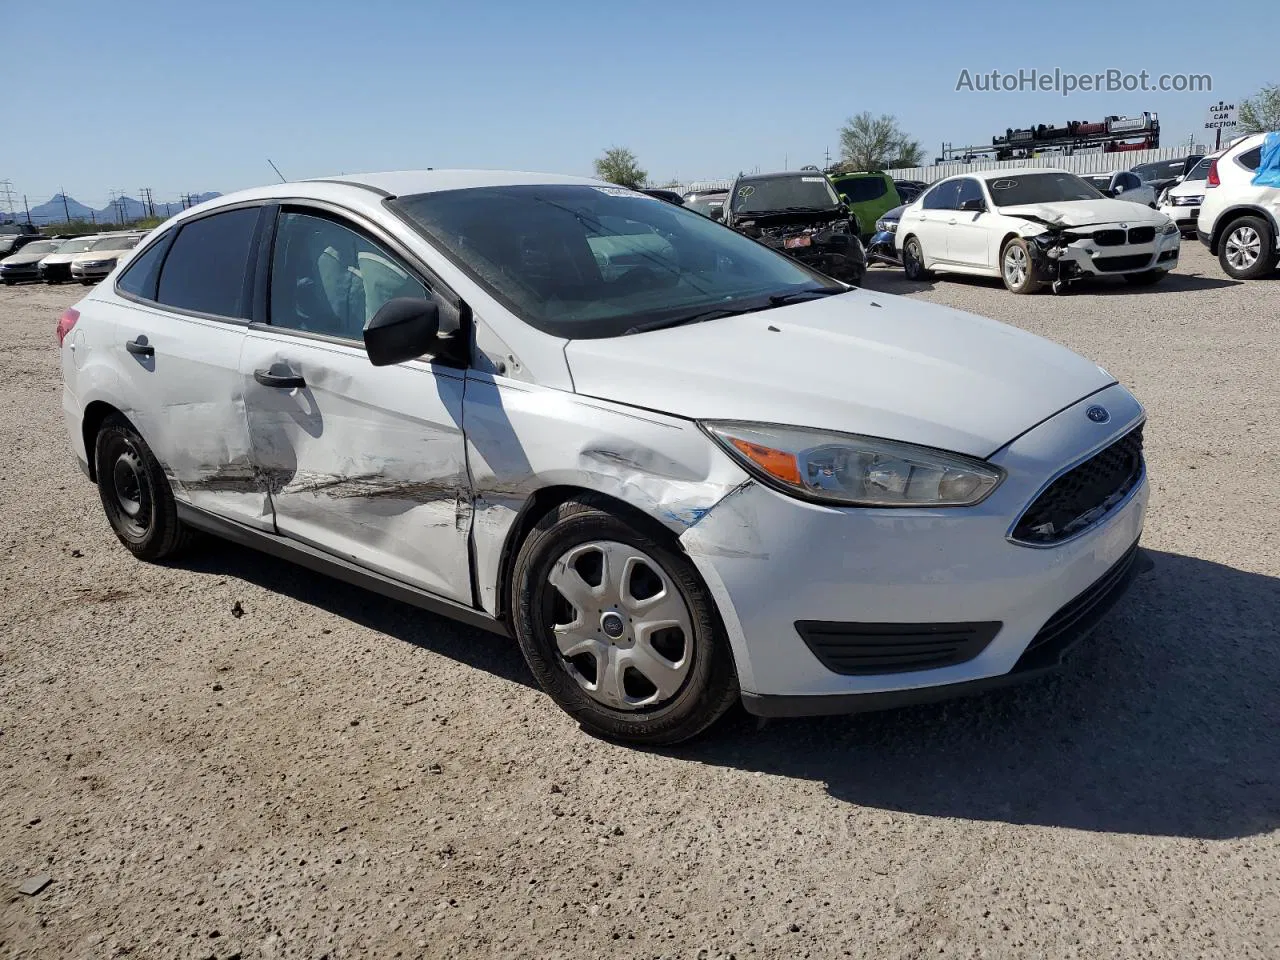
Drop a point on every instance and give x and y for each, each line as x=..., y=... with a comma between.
x=194, y=95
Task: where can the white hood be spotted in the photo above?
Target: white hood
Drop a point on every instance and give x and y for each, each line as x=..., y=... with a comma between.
x=1076, y=213
x=858, y=363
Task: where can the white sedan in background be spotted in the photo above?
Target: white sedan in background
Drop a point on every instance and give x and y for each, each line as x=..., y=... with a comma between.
x=100, y=259
x=1033, y=226
x=1181, y=202
x=677, y=466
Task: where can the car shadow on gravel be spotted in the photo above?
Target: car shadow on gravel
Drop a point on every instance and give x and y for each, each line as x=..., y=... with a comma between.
x=1165, y=721
x=466, y=645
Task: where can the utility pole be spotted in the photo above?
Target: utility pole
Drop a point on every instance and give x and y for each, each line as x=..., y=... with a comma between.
x=6, y=187
x=65, y=209
x=27, y=209
x=147, y=202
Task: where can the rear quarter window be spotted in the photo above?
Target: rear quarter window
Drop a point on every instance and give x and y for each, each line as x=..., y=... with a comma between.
x=207, y=264
x=139, y=278
x=1250, y=158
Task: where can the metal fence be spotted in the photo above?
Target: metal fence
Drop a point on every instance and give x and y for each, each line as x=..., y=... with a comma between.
x=1077, y=163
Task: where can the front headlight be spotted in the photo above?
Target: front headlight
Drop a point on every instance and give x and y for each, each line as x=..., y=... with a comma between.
x=843, y=468
x=1170, y=229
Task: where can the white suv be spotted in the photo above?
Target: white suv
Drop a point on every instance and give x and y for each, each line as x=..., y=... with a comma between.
x=1238, y=221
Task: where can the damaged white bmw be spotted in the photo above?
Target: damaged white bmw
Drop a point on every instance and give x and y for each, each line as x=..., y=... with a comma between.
x=678, y=467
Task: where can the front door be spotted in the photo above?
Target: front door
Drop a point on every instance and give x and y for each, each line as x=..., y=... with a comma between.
x=967, y=240
x=366, y=463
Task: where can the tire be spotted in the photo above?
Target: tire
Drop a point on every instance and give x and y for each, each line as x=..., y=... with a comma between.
x=1146, y=278
x=1017, y=267
x=1247, y=249
x=599, y=686
x=913, y=260
x=135, y=493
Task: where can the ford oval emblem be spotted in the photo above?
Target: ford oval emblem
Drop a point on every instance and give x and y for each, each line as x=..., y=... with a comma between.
x=1098, y=414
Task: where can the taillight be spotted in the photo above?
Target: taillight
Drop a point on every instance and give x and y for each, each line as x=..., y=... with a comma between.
x=1213, y=180
x=66, y=322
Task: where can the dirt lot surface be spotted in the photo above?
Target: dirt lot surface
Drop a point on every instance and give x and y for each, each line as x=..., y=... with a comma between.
x=331, y=774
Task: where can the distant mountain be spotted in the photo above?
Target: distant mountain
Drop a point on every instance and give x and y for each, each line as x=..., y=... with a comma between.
x=53, y=211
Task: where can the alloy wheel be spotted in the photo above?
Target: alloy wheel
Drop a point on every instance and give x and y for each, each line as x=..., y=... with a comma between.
x=1244, y=247
x=623, y=629
x=1015, y=265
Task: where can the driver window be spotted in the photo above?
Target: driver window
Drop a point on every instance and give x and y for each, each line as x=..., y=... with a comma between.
x=969, y=190
x=328, y=279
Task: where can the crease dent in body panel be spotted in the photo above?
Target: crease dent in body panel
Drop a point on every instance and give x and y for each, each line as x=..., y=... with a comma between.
x=733, y=538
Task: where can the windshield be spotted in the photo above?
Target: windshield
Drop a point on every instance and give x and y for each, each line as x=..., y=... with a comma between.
x=1200, y=171
x=705, y=203
x=582, y=261
x=1163, y=170
x=78, y=246
x=116, y=243
x=1040, y=188
x=41, y=246
x=770, y=194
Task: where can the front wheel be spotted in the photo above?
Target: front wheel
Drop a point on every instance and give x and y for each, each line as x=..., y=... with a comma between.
x=1017, y=267
x=1248, y=249
x=1146, y=278
x=618, y=628
x=135, y=493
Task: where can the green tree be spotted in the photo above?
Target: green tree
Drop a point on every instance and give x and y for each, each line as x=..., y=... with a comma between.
x=619, y=165
x=1261, y=112
x=868, y=142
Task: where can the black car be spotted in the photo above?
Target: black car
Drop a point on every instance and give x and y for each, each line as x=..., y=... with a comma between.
x=908, y=190
x=11, y=243
x=1163, y=174
x=704, y=201
x=799, y=214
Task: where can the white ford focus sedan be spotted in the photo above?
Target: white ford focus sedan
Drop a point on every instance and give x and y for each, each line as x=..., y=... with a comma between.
x=678, y=467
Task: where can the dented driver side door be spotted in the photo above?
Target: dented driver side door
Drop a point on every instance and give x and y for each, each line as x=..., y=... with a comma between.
x=366, y=463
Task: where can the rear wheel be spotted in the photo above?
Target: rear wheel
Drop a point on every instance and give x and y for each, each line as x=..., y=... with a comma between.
x=1248, y=249
x=1017, y=267
x=913, y=260
x=618, y=628
x=135, y=493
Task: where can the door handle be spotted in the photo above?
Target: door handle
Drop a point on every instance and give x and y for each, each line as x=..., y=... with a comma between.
x=140, y=347
x=284, y=381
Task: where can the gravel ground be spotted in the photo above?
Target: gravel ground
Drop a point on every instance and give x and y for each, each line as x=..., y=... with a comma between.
x=331, y=774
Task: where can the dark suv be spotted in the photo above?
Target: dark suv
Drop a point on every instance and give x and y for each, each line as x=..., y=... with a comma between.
x=798, y=213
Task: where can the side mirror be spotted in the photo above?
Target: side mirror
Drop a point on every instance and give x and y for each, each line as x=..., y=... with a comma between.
x=844, y=198
x=715, y=213
x=1111, y=193
x=403, y=329
x=973, y=205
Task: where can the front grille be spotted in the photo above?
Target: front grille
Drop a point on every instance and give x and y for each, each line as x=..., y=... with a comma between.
x=1084, y=494
x=1109, y=238
x=56, y=271
x=859, y=649
x=1134, y=262
x=1083, y=613
x=1142, y=234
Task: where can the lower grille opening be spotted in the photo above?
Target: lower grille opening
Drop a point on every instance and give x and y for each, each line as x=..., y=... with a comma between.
x=1111, y=264
x=859, y=649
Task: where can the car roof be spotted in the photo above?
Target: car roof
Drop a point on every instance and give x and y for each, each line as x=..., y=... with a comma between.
x=400, y=183
x=1002, y=174
x=782, y=173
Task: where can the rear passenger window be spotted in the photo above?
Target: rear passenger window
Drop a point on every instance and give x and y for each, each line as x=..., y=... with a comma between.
x=326, y=278
x=206, y=267
x=945, y=196
x=139, y=278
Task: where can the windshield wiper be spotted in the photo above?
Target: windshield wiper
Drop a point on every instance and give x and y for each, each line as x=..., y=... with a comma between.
x=800, y=296
x=718, y=313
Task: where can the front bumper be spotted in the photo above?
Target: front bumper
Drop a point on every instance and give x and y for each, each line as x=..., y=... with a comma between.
x=20, y=273
x=1092, y=260
x=1185, y=217
x=81, y=271
x=842, y=257
x=54, y=272
x=772, y=562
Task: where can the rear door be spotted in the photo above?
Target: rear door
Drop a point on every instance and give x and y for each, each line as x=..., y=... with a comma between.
x=367, y=463
x=179, y=322
x=934, y=220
